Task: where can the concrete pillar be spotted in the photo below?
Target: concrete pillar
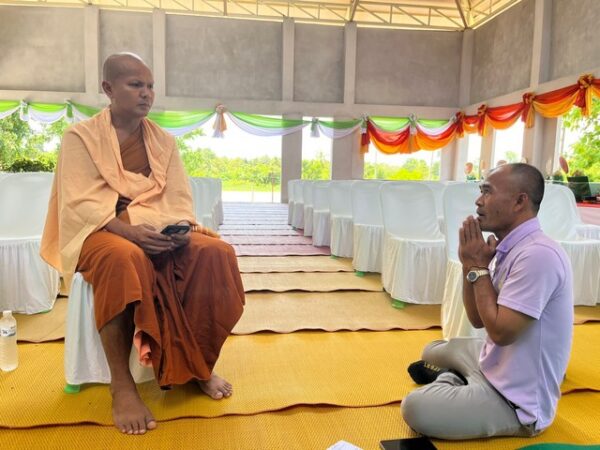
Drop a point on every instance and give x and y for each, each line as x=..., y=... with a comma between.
x=539, y=142
x=159, y=65
x=92, y=50
x=287, y=79
x=455, y=155
x=291, y=159
x=347, y=163
x=349, y=63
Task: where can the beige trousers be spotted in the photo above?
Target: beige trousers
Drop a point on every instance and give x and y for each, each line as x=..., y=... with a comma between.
x=449, y=409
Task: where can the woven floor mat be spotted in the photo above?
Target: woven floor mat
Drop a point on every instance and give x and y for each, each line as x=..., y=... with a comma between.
x=314, y=282
x=331, y=311
x=587, y=314
x=280, y=250
x=242, y=232
x=260, y=226
x=260, y=264
x=302, y=428
x=44, y=327
x=269, y=240
x=269, y=372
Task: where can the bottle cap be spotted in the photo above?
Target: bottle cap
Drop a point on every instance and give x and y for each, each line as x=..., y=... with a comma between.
x=6, y=313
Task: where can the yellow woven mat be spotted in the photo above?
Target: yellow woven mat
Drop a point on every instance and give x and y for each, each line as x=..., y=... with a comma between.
x=48, y=326
x=269, y=372
x=249, y=264
x=313, y=282
x=331, y=311
x=587, y=314
x=301, y=428
x=293, y=311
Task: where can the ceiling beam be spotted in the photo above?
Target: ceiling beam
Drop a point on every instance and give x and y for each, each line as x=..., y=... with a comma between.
x=462, y=14
x=352, y=10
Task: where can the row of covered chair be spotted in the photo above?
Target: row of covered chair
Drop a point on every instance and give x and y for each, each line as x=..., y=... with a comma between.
x=408, y=232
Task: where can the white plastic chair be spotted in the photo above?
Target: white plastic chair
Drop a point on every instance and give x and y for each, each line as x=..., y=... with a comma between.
x=85, y=361
x=27, y=284
x=340, y=209
x=559, y=220
x=321, y=232
x=414, y=255
x=458, y=203
x=368, y=226
x=298, y=214
x=307, y=196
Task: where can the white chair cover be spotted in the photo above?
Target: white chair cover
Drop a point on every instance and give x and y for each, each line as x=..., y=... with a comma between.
x=583, y=230
x=298, y=214
x=27, y=284
x=437, y=187
x=414, y=257
x=218, y=214
x=85, y=361
x=340, y=208
x=559, y=220
x=291, y=193
x=203, y=191
x=321, y=232
x=307, y=195
x=368, y=226
x=458, y=202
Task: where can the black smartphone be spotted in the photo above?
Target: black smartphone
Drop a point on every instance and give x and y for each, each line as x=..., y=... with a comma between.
x=175, y=229
x=417, y=443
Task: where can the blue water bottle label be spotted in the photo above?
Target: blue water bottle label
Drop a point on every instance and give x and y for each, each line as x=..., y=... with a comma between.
x=8, y=332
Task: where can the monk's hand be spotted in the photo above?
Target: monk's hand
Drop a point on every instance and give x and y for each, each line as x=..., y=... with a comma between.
x=473, y=250
x=180, y=239
x=150, y=240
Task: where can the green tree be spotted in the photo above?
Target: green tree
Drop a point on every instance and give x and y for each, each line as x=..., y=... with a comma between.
x=24, y=146
x=584, y=155
x=316, y=169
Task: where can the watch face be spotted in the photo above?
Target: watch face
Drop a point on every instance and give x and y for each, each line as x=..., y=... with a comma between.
x=472, y=276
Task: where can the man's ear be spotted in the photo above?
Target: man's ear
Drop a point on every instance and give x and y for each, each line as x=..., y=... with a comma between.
x=522, y=200
x=107, y=88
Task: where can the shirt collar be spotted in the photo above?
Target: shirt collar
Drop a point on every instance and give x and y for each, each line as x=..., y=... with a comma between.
x=516, y=235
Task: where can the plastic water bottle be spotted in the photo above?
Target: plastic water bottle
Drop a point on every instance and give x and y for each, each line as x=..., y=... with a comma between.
x=9, y=359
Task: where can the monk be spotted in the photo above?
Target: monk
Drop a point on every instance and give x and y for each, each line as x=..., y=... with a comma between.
x=119, y=181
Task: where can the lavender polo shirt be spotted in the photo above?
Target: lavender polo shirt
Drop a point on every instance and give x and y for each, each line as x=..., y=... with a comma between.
x=532, y=275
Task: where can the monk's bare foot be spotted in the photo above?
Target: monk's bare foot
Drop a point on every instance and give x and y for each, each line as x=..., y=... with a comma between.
x=216, y=387
x=130, y=414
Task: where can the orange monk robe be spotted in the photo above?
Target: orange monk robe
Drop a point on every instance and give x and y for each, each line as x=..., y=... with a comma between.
x=90, y=177
x=186, y=301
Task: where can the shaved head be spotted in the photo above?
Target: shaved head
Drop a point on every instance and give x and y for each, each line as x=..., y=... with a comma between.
x=119, y=64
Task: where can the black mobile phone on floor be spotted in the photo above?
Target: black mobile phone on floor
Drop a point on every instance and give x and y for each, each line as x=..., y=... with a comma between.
x=417, y=443
x=175, y=229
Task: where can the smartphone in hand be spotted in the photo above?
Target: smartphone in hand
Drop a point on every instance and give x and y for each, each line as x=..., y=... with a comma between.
x=175, y=229
x=417, y=443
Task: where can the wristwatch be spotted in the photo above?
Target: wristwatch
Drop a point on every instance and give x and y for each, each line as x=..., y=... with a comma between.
x=474, y=274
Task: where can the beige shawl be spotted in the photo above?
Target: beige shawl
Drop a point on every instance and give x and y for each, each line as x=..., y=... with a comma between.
x=89, y=178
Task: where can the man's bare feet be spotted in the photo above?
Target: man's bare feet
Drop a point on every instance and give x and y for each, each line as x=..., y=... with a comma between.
x=216, y=387
x=130, y=414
